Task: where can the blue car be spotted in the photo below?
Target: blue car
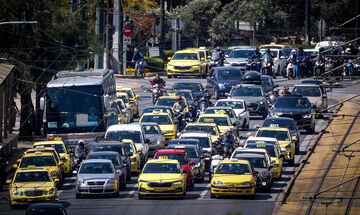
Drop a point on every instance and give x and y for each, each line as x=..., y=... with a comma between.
x=222, y=79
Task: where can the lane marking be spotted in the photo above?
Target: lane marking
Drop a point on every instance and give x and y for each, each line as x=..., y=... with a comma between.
x=133, y=191
x=248, y=133
x=203, y=193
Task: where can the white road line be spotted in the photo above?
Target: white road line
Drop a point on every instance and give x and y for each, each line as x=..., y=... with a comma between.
x=203, y=193
x=133, y=191
x=67, y=184
x=248, y=133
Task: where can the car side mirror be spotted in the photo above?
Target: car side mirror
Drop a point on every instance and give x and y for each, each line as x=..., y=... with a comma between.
x=227, y=94
x=118, y=171
x=293, y=138
x=169, y=58
x=202, y=59
x=256, y=173
x=257, y=126
x=139, y=150
x=61, y=163
x=15, y=166
x=208, y=57
x=283, y=150
x=272, y=161
x=8, y=181
x=56, y=180
x=137, y=96
x=324, y=96
x=192, y=163
x=234, y=124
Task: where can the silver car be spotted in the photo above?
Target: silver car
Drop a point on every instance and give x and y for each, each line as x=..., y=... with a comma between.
x=97, y=177
x=314, y=93
x=154, y=134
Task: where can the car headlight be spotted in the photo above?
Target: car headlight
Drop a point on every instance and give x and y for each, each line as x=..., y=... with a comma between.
x=218, y=183
x=143, y=182
x=111, y=181
x=53, y=173
x=195, y=67
x=264, y=174
x=221, y=86
x=169, y=65
x=177, y=182
x=15, y=192
x=261, y=102
x=307, y=116
x=197, y=165
x=133, y=159
x=51, y=191
x=248, y=183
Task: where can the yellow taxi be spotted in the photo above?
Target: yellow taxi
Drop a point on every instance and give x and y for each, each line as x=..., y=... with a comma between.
x=210, y=128
x=162, y=177
x=44, y=149
x=60, y=148
x=133, y=98
x=204, y=58
x=124, y=112
x=186, y=62
x=283, y=136
x=30, y=185
x=273, y=46
x=134, y=156
x=221, y=120
x=165, y=122
x=42, y=160
x=127, y=103
x=233, y=177
x=170, y=100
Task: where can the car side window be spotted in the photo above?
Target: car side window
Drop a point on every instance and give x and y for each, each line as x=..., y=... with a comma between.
x=213, y=75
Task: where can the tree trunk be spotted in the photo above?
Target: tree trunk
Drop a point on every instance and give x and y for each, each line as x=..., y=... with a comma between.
x=27, y=117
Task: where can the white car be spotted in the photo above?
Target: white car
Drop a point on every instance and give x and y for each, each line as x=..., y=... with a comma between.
x=134, y=132
x=203, y=137
x=238, y=152
x=264, y=140
x=240, y=109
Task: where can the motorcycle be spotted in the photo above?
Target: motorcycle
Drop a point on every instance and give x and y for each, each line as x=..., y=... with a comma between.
x=216, y=60
x=79, y=156
x=215, y=161
x=156, y=92
x=180, y=119
x=267, y=68
x=319, y=67
x=291, y=74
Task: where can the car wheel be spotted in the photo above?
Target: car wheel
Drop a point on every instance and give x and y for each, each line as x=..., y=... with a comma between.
x=213, y=196
x=78, y=196
x=291, y=162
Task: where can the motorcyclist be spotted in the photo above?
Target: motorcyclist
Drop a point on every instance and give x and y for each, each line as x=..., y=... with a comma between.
x=348, y=68
x=291, y=63
x=269, y=58
x=179, y=105
x=218, y=56
x=80, y=150
x=257, y=57
x=228, y=141
x=300, y=59
x=158, y=80
x=286, y=91
x=191, y=114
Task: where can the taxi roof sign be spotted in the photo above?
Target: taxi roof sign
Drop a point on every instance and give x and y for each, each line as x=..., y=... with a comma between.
x=38, y=152
x=234, y=159
x=274, y=125
x=207, y=120
x=40, y=147
x=164, y=157
x=31, y=166
x=172, y=94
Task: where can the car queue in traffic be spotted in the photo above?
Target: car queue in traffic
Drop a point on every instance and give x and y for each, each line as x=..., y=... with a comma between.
x=182, y=139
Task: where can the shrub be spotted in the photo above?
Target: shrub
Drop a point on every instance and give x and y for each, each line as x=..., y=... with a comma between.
x=154, y=64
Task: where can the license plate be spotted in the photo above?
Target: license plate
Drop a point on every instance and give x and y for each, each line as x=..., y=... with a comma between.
x=232, y=189
x=160, y=189
x=96, y=187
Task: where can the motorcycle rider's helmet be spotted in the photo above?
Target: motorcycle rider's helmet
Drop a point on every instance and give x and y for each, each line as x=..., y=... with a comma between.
x=81, y=143
x=293, y=51
x=218, y=49
x=190, y=107
x=348, y=51
x=179, y=98
x=267, y=50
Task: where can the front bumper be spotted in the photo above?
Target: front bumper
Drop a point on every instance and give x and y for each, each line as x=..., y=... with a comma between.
x=222, y=190
x=26, y=200
x=190, y=72
x=175, y=189
x=257, y=109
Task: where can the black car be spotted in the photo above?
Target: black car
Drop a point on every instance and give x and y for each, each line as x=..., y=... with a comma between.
x=188, y=94
x=116, y=146
x=296, y=107
x=285, y=122
x=46, y=208
x=196, y=88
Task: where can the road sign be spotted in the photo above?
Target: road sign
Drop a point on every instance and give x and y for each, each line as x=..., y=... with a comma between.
x=176, y=24
x=154, y=51
x=321, y=28
x=127, y=40
x=127, y=30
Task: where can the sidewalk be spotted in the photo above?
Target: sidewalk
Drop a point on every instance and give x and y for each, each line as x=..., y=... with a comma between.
x=341, y=170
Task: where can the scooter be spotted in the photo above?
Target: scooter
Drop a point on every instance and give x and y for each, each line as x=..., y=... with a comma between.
x=156, y=92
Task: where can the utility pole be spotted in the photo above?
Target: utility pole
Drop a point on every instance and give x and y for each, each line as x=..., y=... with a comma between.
x=357, y=20
x=120, y=37
x=107, y=40
x=307, y=21
x=100, y=22
x=162, y=30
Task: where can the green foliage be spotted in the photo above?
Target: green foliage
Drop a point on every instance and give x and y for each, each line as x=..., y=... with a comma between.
x=155, y=64
x=169, y=53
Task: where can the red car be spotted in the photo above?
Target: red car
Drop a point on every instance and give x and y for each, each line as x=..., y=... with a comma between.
x=183, y=159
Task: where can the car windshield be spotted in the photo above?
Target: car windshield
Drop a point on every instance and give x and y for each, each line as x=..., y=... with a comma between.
x=47, y=210
x=219, y=111
x=307, y=91
x=255, y=162
x=207, y=129
x=279, y=135
x=253, y=92
x=179, y=157
x=113, y=148
x=241, y=54
x=135, y=136
x=32, y=176
x=233, y=168
x=279, y=123
x=152, y=129
x=188, y=86
x=229, y=75
x=287, y=102
x=192, y=152
x=166, y=102
x=44, y=151
x=58, y=147
x=187, y=95
x=185, y=56
x=273, y=52
x=37, y=161
x=96, y=168
x=204, y=141
x=266, y=81
x=232, y=104
x=269, y=148
x=219, y=121
x=159, y=119
x=161, y=168
x=114, y=159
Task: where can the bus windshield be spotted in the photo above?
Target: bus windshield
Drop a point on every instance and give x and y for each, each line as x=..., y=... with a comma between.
x=74, y=109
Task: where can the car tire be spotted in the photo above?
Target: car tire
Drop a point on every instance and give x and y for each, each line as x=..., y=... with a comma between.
x=291, y=162
x=213, y=196
x=78, y=196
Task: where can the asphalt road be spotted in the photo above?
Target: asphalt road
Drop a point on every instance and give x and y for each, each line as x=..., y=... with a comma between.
x=197, y=201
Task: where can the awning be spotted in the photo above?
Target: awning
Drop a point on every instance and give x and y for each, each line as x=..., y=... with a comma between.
x=5, y=70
